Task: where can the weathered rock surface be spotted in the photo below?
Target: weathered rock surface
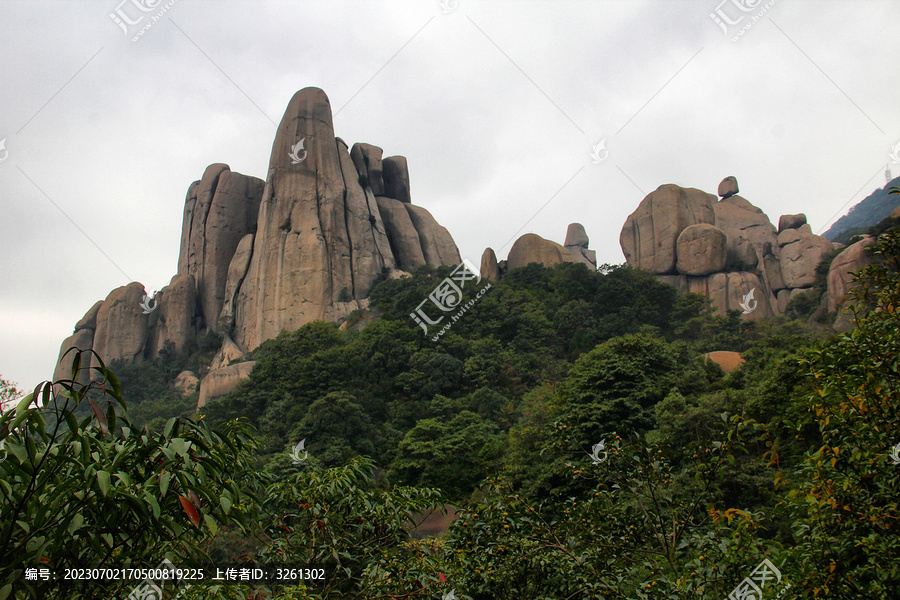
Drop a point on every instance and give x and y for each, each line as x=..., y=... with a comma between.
x=650, y=233
x=728, y=187
x=784, y=298
x=89, y=320
x=740, y=250
x=121, y=325
x=533, y=248
x=402, y=235
x=772, y=267
x=367, y=160
x=237, y=271
x=223, y=211
x=895, y=213
x=437, y=244
x=800, y=258
x=187, y=382
x=738, y=218
x=489, y=268
x=791, y=221
x=227, y=354
x=395, y=172
x=223, y=381
x=840, y=277
x=577, y=244
x=175, y=318
x=700, y=250
x=788, y=236
x=258, y=257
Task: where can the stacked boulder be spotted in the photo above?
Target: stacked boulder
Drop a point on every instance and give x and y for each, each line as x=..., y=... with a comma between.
x=726, y=249
x=258, y=257
x=532, y=248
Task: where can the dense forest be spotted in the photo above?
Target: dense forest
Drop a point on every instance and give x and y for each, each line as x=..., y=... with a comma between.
x=589, y=447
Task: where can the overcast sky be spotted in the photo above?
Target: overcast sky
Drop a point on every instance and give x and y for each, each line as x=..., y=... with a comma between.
x=496, y=105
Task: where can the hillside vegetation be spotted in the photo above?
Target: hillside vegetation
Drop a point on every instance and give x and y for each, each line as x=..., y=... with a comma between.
x=570, y=416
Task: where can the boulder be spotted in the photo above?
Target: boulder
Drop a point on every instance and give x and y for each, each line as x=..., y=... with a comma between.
x=729, y=361
x=437, y=244
x=490, y=270
x=799, y=260
x=401, y=234
x=395, y=172
x=772, y=268
x=739, y=250
x=223, y=381
x=121, y=325
x=728, y=187
x=805, y=230
x=577, y=244
x=735, y=214
x=784, y=298
x=895, y=214
x=701, y=250
x=576, y=236
x=533, y=248
x=743, y=203
x=649, y=236
x=187, y=382
x=840, y=276
x=227, y=354
x=175, y=319
x=367, y=160
x=788, y=236
x=791, y=221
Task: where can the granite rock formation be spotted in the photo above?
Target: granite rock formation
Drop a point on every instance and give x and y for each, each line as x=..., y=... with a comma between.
x=532, y=248
x=724, y=249
x=258, y=257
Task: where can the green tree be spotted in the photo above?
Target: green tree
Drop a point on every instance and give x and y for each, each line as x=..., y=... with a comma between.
x=102, y=491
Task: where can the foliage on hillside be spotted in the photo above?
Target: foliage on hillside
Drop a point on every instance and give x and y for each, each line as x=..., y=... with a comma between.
x=571, y=418
x=868, y=212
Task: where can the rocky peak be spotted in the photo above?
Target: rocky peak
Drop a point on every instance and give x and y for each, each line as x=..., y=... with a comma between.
x=258, y=257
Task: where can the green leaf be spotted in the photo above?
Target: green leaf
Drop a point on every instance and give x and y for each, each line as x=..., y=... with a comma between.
x=164, y=478
x=76, y=523
x=211, y=523
x=103, y=481
x=5, y=591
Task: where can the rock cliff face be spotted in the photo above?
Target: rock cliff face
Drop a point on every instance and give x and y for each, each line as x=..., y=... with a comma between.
x=724, y=249
x=258, y=257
